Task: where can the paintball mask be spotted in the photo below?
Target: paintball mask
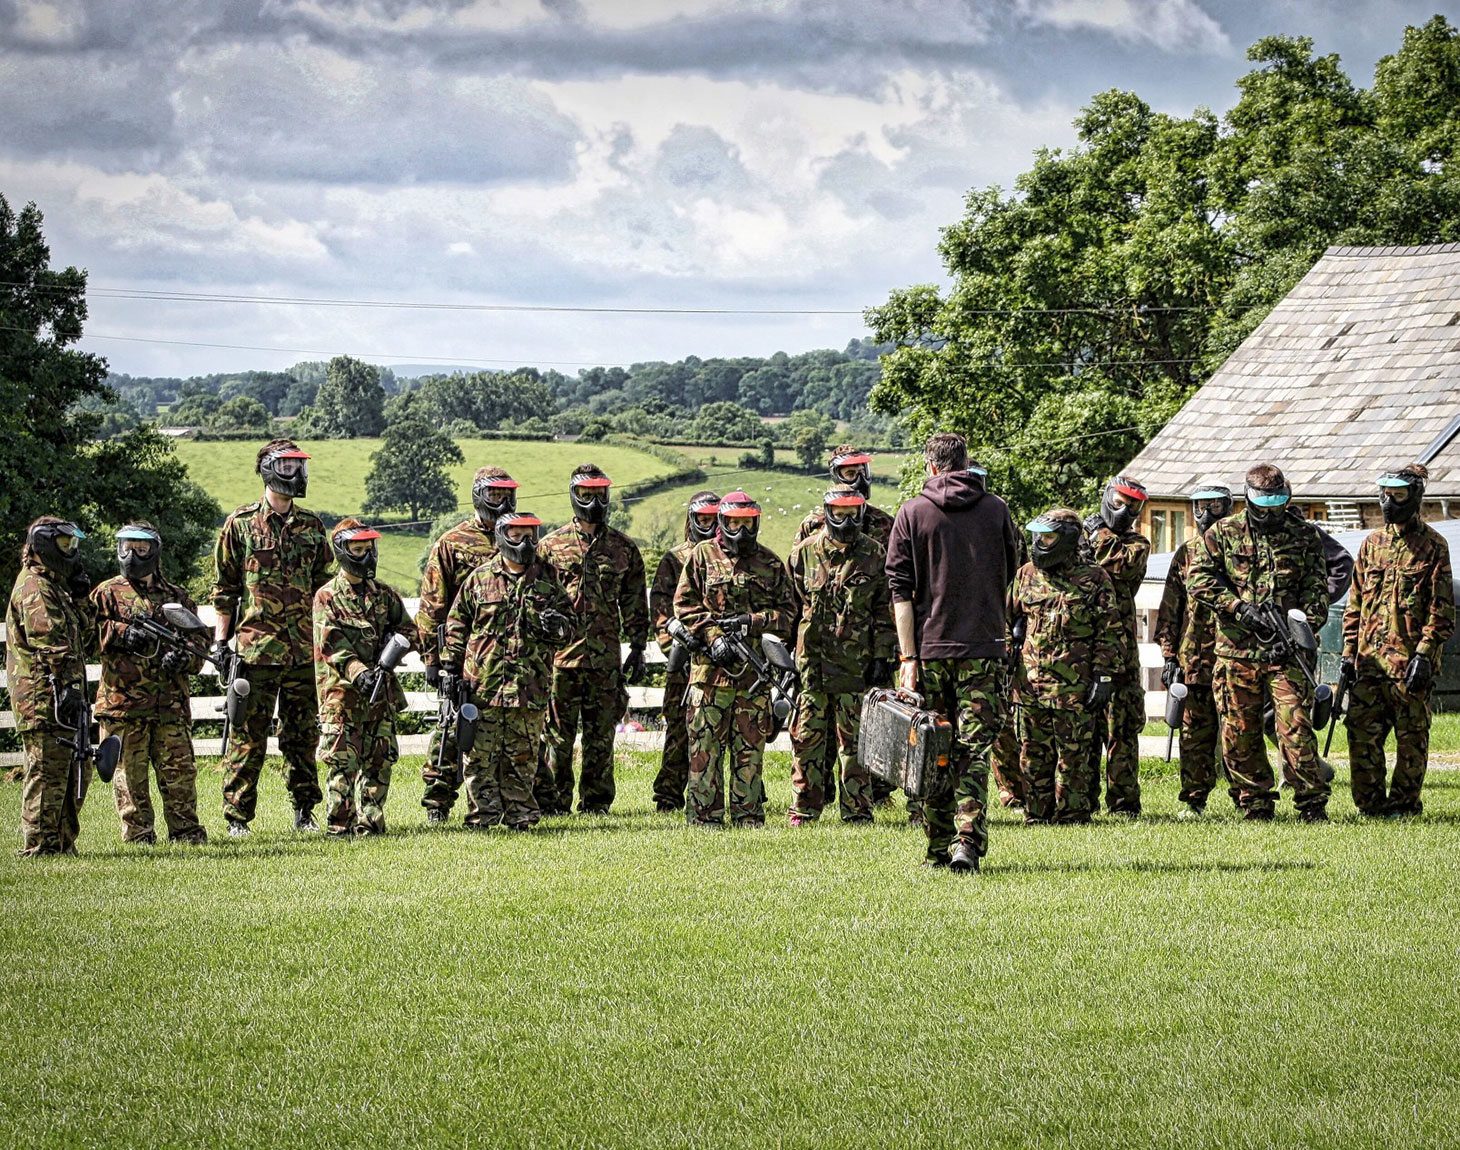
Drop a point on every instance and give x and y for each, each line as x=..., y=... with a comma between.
x=516, y=534
x=494, y=496
x=286, y=472
x=739, y=523
x=355, y=549
x=845, y=508
x=139, y=551
x=702, y=518
x=1053, y=540
x=854, y=469
x=1266, y=506
x=1400, y=495
x=1209, y=504
x=1120, y=504
x=58, y=546
x=590, y=498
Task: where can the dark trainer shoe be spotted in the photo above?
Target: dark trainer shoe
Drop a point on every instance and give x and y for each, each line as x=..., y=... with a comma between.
x=304, y=820
x=962, y=860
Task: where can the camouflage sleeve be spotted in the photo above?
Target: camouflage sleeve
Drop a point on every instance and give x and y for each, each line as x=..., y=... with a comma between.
x=1313, y=592
x=228, y=569
x=458, y=625
x=1354, y=611
x=323, y=560
x=1107, y=652
x=780, y=619
x=661, y=597
x=633, y=598
x=1441, y=624
x=433, y=606
x=1013, y=611
x=400, y=622
x=689, y=601
x=109, y=624
x=884, y=630
x=809, y=526
x=197, y=662
x=563, y=602
x=796, y=568
x=1123, y=558
x=331, y=645
x=1171, y=615
x=1208, y=582
x=41, y=623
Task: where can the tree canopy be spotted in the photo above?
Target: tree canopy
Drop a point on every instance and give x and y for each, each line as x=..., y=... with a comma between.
x=409, y=471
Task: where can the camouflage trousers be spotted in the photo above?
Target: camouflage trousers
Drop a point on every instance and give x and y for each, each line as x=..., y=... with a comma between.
x=726, y=723
x=356, y=752
x=1056, y=757
x=442, y=786
x=1004, y=759
x=1376, y=706
x=1200, y=733
x=596, y=699
x=969, y=693
x=1242, y=687
x=243, y=758
x=824, y=738
x=1117, y=732
x=50, y=808
x=166, y=744
x=500, y=767
x=673, y=774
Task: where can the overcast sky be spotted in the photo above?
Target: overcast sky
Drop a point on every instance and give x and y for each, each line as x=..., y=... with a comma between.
x=772, y=155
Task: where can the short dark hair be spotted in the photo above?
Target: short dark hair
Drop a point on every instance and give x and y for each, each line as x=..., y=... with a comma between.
x=1414, y=472
x=1264, y=476
x=588, y=469
x=490, y=473
x=947, y=451
x=269, y=448
x=1062, y=515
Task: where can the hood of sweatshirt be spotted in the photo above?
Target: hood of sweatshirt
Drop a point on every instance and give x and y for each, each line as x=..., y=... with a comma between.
x=955, y=490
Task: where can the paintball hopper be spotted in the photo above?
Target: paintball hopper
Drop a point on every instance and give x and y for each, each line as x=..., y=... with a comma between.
x=1175, y=704
x=776, y=652
x=236, y=702
x=1300, y=632
x=395, y=650
x=181, y=619
x=108, y=752
x=1322, y=706
x=466, y=724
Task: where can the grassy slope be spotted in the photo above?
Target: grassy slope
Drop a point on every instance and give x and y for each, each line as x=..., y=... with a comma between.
x=623, y=980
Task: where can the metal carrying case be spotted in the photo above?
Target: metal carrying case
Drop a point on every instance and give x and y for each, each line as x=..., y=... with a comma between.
x=901, y=741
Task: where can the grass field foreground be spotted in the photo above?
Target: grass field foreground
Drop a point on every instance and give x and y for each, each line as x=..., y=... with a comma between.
x=624, y=980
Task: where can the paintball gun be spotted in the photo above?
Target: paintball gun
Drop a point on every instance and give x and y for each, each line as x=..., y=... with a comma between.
x=1340, y=703
x=396, y=648
x=1175, y=709
x=176, y=632
x=683, y=646
x=458, y=714
x=777, y=670
x=73, y=709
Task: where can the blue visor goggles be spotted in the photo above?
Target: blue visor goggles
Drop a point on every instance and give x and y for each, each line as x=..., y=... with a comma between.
x=1269, y=499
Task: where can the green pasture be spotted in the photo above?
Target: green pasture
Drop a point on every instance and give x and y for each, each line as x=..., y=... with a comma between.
x=624, y=980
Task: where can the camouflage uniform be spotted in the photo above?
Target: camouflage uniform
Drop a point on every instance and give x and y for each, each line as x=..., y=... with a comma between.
x=725, y=718
x=1187, y=632
x=603, y=573
x=268, y=569
x=1402, y=604
x=48, y=633
x=673, y=774
x=1284, y=565
x=149, y=711
x=493, y=635
x=357, y=745
x=1004, y=759
x=970, y=694
x=1118, y=724
x=452, y=558
x=1072, y=637
x=845, y=607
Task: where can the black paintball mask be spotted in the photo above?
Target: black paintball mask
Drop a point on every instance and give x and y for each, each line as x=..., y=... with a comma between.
x=139, y=551
x=286, y=472
x=590, y=498
x=57, y=546
x=494, y=496
x=853, y=469
x=1401, y=494
x=739, y=523
x=518, y=547
x=1211, y=504
x=1053, y=541
x=1267, y=507
x=356, y=551
x=845, y=507
x=702, y=518
x=1120, y=504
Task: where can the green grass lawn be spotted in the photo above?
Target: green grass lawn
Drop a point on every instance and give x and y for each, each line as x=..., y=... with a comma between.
x=623, y=980
x=1444, y=736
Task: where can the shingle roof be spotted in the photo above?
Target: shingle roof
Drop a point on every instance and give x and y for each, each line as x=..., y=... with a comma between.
x=1356, y=371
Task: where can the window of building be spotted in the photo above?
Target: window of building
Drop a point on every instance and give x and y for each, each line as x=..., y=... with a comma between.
x=1168, y=529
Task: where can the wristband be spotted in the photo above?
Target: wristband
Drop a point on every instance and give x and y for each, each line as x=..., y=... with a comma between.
x=908, y=659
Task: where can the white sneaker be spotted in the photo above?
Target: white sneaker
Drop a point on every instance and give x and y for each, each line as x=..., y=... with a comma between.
x=1190, y=812
x=237, y=830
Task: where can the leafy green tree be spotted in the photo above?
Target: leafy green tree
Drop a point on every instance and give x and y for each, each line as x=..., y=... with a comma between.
x=350, y=402
x=409, y=471
x=243, y=414
x=726, y=423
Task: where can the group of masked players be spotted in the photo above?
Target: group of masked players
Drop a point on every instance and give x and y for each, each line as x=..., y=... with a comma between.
x=528, y=628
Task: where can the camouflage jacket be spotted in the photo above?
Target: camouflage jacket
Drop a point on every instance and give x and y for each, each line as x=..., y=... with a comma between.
x=661, y=594
x=493, y=633
x=48, y=635
x=1402, y=602
x=268, y=569
x=1236, y=564
x=1185, y=628
x=352, y=624
x=132, y=683
x=603, y=574
x=1123, y=557
x=453, y=557
x=845, y=606
x=713, y=585
x=1072, y=633
x=876, y=523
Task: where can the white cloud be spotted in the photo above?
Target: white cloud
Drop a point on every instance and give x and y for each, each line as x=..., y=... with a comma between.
x=50, y=22
x=1173, y=25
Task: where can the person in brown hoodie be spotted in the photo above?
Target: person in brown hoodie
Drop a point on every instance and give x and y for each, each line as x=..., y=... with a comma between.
x=951, y=556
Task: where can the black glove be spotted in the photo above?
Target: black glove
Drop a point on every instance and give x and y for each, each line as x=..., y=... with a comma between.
x=1170, y=673
x=735, y=623
x=222, y=654
x=1347, y=671
x=634, y=665
x=68, y=706
x=365, y=681
x=554, y=624
x=1250, y=617
x=175, y=661
x=79, y=583
x=433, y=676
x=1099, y=693
x=1419, y=674
x=877, y=673
x=1093, y=524
x=132, y=638
x=721, y=653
